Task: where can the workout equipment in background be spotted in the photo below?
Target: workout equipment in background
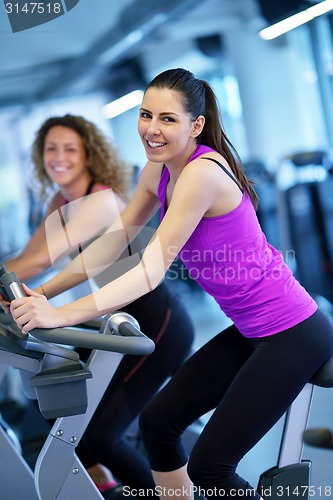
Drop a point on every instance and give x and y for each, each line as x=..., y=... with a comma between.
x=20, y=416
x=290, y=478
x=319, y=438
x=308, y=217
x=263, y=182
x=66, y=389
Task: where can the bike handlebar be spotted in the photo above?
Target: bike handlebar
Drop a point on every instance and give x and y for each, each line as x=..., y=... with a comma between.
x=119, y=331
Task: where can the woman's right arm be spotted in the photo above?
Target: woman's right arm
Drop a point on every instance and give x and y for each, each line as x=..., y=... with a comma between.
x=108, y=246
x=35, y=257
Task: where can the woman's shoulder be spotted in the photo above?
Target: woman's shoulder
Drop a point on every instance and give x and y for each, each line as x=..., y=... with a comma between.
x=99, y=187
x=108, y=195
x=150, y=176
x=205, y=166
x=56, y=202
x=153, y=168
x=213, y=157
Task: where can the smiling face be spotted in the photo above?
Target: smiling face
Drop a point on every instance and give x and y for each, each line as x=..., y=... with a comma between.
x=166, y=130
x=64, y=157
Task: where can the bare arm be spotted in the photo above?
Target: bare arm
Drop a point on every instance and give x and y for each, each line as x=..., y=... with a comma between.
x=63, y=229
x=35, y=257
x=75, y=223
x=108, y=246
x=193, y=196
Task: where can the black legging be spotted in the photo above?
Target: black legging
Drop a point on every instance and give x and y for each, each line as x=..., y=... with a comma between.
x=251, y=383
x=162, y=318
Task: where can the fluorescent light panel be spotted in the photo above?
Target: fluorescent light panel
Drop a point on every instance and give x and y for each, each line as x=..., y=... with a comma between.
x=122, y=104
x=296, y=20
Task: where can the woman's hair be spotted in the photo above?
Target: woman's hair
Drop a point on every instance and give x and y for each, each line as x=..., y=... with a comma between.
x=103, y=161
x=199, y=99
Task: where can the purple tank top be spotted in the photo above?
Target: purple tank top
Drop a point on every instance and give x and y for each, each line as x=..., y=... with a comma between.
x=230, y=258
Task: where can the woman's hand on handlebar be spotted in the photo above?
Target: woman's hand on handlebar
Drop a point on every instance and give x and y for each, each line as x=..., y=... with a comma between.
x=4, y=304
x=34, y=311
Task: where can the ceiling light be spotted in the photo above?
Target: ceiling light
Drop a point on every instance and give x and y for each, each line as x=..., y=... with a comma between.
x=296, y=20
x=122, y=104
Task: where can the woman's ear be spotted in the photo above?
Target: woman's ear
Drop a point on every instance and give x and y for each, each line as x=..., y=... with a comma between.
x=198, y=125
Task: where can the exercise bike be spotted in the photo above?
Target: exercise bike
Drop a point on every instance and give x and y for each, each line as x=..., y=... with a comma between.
x=291, y=477
x=66, y=389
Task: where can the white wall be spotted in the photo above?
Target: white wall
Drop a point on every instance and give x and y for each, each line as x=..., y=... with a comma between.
x=126, y=136
x=281, y=109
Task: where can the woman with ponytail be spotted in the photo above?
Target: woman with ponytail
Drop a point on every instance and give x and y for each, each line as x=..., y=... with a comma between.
x=249, y=373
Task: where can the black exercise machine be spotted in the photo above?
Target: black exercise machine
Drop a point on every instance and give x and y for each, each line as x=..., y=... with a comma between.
x=66, y=389
x=291, y=477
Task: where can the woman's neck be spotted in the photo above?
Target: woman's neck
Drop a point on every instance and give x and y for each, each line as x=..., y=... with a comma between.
x=176, y=165
x=77, y=189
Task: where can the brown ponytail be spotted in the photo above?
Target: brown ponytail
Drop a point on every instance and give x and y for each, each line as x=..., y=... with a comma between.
x=214, y=136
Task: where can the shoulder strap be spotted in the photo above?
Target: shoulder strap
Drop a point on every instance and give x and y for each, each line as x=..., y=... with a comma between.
x=224, y=169
x=88, y=191
x=89, y=188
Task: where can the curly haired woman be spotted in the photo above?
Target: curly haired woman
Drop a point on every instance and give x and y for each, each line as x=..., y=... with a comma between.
x=72, y=156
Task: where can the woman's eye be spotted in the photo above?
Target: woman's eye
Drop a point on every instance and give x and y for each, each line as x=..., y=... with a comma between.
x=143, y=114
x=168, y=119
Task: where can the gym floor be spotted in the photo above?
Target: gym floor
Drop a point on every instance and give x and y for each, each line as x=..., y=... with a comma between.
x=209, y=320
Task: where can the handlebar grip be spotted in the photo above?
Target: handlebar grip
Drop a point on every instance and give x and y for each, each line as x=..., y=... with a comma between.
x=128, y=330
x=13, y=289
x=3, y=292
x=12, y=286
x=128, y=339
